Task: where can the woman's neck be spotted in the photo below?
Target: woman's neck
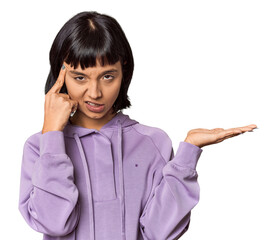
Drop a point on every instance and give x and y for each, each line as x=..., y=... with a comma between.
x=82, y=120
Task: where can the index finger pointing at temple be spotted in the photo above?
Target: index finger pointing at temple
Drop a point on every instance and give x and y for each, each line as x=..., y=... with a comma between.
x=60, y=81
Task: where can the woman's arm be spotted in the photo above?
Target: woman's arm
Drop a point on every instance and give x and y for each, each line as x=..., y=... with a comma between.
x=175, y=192
x=48, y=198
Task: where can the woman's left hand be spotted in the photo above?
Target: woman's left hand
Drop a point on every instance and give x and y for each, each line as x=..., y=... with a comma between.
x=202, y=137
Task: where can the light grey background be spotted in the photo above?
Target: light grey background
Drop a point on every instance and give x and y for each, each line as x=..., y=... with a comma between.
x=198, y=64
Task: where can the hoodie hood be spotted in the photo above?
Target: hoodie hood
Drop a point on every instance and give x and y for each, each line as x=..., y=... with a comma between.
x=121, y=118
x=104, y=162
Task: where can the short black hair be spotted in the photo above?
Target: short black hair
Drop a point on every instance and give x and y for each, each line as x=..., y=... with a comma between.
x=83, y=39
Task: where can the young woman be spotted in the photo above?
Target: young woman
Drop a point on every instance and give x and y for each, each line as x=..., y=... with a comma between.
x=98, y=174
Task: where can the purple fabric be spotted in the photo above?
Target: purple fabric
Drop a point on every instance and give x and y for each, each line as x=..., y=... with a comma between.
x=122, y=182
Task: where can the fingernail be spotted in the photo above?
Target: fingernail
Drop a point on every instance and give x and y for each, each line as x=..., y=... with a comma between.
x=63, y=67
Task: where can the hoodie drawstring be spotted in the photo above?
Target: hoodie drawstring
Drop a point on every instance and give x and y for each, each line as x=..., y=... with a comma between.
x=121, y=180
x=89, y=188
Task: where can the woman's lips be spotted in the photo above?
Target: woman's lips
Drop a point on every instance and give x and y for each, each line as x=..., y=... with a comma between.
x=97, y=109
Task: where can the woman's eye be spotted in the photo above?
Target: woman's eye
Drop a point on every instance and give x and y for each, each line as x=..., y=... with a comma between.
x=108, y=77
x=76, y=78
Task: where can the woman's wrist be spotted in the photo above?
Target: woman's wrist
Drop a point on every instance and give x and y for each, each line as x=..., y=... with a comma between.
x=44, y=130
x=188, y=140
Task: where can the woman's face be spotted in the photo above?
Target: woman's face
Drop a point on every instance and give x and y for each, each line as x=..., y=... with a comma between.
x=98, y=85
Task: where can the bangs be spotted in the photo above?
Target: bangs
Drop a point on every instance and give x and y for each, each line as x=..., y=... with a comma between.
x=86, y=49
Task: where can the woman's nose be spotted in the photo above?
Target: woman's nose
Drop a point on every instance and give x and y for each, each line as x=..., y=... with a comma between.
x=94, y=91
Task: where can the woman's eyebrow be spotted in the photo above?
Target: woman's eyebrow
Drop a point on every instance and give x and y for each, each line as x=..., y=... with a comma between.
x=83, y=74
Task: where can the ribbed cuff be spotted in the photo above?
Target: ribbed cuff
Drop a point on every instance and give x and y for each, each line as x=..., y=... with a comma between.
x=52, y=142
x=187, y=155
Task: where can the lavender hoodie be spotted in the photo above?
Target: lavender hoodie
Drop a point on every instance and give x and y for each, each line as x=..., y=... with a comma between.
x=121, y=182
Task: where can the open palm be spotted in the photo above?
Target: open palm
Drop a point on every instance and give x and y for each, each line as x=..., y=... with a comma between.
x=202, y=137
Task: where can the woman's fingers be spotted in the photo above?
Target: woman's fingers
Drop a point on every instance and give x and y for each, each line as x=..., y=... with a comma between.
x=246, y=128
x=231, y=132
x=60, y=81
x=252, y=126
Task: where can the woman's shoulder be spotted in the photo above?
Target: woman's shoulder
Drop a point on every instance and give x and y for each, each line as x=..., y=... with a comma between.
x=34, y=138
x=32, y=143
x=150, y=131
x=158, y=136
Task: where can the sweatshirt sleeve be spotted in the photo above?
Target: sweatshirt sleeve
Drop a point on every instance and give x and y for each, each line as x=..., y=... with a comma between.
x=175, y=191
x=48, y=198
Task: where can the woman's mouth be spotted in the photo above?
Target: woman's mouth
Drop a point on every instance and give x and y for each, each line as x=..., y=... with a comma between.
x=95, y=107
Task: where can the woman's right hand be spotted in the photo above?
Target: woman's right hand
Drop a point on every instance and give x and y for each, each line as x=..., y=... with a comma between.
x=57, y=106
